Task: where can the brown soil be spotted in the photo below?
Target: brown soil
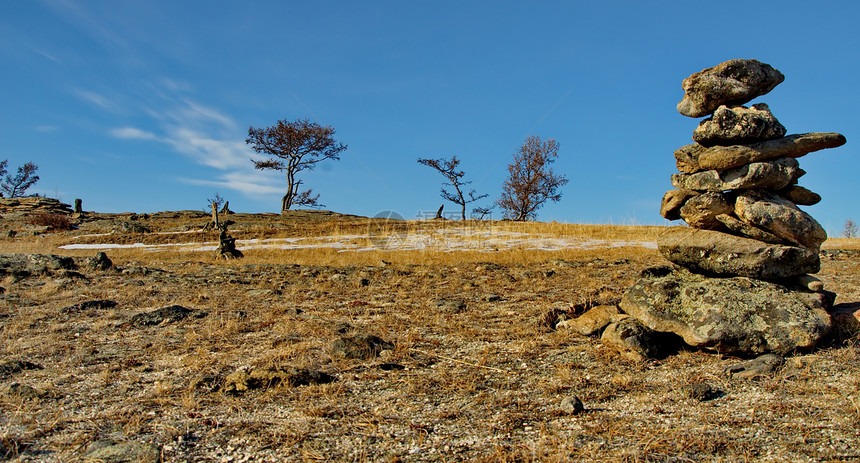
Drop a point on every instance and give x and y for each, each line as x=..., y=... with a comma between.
x=473, y=374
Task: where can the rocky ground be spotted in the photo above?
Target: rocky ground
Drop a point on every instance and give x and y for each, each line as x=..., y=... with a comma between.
x=203, y=360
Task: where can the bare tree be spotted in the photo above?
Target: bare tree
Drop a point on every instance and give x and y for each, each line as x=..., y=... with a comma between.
x=16, y=186
x=531, y=182
x=850, y=230
x=293, y=147
x=448, y=169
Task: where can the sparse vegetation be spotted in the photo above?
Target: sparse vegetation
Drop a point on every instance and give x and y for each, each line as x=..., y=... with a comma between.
x=531, y=181
x=448, y=169
x=52, y=221
x=850, y=229
x=472, y=376
x=294, y=147
x=16, y=186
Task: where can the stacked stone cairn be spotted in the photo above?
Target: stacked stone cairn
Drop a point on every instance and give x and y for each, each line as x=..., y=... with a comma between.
x=742, y=282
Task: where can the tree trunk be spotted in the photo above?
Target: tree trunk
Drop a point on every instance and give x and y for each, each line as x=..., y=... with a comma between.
x=215, y=215
x=285, y=203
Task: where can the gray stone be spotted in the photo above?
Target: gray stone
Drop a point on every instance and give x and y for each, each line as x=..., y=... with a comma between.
x=701, y=211
x=735, y=81
x=125, y=452
x=592, y=321
x=670, y=206
x=169, y=314
x=360, y=346
x=768, y=175
x=695, y=157
x=572, y=405
x=780, y=217
x=99, y=262
x=633, y=339
x=738, y=227
x=762, y=365
x=719, y=253
x=738, y=124
x=800, y=195
x=735, y=315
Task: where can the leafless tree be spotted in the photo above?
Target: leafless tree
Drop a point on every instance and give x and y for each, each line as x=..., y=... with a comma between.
x=448, y=169
x=293, y=147
x=531, y=181
x=850, y=229
x=16, y=186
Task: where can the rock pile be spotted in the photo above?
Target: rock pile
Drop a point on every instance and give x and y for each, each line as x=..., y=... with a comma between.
x=743, y=285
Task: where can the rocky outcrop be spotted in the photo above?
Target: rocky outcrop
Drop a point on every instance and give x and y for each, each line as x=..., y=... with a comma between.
x=738, y=124
x=32, y=204
x=735, y=315
x=735, y=81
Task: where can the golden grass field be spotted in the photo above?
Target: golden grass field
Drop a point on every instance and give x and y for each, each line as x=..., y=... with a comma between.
x=471, y=373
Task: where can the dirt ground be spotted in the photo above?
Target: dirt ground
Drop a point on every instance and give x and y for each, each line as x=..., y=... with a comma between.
x=463, y=368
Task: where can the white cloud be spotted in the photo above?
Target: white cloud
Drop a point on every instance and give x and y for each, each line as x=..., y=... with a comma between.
x=220, y=154
x=248, y=182
x=98, y=100
x=131, y=133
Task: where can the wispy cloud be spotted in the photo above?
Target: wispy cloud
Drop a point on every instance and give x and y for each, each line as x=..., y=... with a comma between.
x=248, y=182
x=132, y=133
x=98, y=99
x=212, y=152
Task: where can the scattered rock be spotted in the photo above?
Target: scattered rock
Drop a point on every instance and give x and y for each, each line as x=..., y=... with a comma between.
x=701, y=211
x=106, y=451
x=738, y=124
x=22, y=391
x=16, y=366
x=695, y=157
x=572, y=405
x=98, y=304
x=846, y=321
x=169, y=314
x=360, y=346
x=635, y=340
x=762, y=365
x=780, y=217
x=735, y=81
x=719, y=253
x=451, y=305
x=265, y=378
x=701, y=391
x=732, y=315
x=99, y=262
x=131, y=227
x=768, y=175
x=592, y=321
x=24, y=265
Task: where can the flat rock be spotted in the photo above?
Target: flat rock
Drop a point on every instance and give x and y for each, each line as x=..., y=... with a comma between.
x=800, y=195
x=768, y=175
x=592, y=321
x=169, y=314
x=701, y=211
x=696, y=157
x=670, y=206
x=735, y=81
x=735, y=315
x=719, y=253
x=780, y=217
x=763, y=365
x=125, y=452
x=738, y=124
x=740, y=228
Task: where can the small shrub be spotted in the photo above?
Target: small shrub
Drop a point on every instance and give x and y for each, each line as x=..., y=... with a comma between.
x=52, y=221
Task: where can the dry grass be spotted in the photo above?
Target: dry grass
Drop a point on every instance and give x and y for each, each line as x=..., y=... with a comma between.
x=481, y=381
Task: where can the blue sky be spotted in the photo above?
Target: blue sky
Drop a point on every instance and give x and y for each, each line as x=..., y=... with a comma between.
x=144, y=105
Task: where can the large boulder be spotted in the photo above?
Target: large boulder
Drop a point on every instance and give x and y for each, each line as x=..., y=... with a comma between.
x=723, y=254
x=735, y=81
x=732, y=315
x=738, y=124
x=779, y=216
x=696, y=157
x=769, y=175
